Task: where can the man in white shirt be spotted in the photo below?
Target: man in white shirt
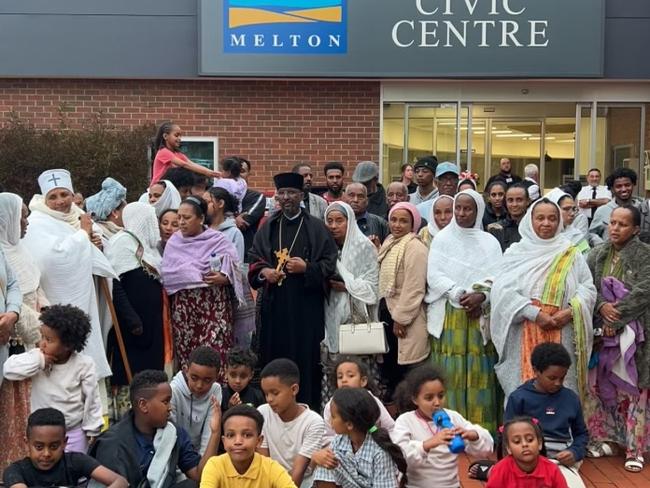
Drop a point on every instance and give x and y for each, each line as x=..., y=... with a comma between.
x=531, y=180
x=593, y=195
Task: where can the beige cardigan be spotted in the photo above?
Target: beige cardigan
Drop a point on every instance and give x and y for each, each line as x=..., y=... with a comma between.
x=407, y=306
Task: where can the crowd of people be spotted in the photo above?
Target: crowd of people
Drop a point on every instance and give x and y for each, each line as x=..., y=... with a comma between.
x=389, y=328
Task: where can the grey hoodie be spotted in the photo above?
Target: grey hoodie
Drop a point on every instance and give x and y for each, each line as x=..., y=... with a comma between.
x=192, y=413
x=229, y=228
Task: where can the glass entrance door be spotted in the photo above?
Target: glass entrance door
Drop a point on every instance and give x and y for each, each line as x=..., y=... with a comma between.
x=518, y=140
x=611, y=136
x=431, y=129
x=563, y=139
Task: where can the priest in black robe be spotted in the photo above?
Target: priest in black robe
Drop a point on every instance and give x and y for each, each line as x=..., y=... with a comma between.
x=292, y=258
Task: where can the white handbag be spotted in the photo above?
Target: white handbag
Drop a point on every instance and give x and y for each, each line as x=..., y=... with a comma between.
x=363, y=337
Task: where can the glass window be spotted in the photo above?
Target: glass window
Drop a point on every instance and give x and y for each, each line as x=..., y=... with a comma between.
x=393, y=142
x=618, y=139
x=423, y=140
x=623, y=140
x=519, y=141
x=546, y=134
x=477, y=157
x=559, y=152
x=201, y=150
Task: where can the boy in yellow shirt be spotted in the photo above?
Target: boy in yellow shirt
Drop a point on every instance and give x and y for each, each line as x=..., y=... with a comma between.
x=242, y=466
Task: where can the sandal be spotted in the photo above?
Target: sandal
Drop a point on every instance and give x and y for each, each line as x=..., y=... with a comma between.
x=634, y=464
x=602, y=449
x=479, y=470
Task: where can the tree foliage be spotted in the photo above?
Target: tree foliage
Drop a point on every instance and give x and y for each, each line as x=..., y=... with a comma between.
x=91, y=153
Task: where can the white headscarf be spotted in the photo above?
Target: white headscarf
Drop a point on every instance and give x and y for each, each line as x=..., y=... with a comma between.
x=458, y=259
x=169, y=200
x=139, y=221
x=357, y=265
x=572, y=232
x=20, y=260
x=525, y=265
x=72, y=218
x=431, y=225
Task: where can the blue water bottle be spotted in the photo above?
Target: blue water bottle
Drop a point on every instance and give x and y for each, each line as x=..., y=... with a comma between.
x=442, y=421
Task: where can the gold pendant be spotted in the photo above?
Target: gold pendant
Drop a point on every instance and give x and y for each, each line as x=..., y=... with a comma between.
x=283, y=257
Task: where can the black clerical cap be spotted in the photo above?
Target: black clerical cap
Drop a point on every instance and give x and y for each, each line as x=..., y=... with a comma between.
x=288, y=180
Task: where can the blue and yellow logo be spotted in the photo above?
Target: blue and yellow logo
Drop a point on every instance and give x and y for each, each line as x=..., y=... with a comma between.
x=285, y=26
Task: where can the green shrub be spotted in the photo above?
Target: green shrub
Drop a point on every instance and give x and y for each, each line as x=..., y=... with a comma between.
x=91, y=153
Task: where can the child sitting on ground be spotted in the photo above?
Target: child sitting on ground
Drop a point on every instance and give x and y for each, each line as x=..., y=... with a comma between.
x=239, y=373
x=194, y=392
x=557, y=409
x=524, y=467
x=62, y=377
x=349, y=372
x=292, y=432
x=241, y=466
x=48, y=464
x=362, y=454
x=426, y=445
x=145, y=446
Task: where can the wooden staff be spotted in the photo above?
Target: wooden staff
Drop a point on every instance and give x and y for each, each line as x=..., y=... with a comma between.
x=116, y=326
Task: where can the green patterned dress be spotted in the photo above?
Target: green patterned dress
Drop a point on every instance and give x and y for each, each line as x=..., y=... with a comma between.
x=468, y=365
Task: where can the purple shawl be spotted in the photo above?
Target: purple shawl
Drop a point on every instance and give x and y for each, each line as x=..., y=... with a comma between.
x=611, y=354
x=187, y=260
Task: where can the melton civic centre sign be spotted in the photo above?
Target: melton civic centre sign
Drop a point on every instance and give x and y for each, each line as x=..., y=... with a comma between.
x=284, y=26
x=402, y=38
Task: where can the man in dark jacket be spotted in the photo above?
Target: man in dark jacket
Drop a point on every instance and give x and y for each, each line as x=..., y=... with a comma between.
x=367, y=172
x=253, y=206
x=372, y=226
x=505, y=174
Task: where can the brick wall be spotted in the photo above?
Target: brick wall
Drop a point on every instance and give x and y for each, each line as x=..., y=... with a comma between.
x=272, y=123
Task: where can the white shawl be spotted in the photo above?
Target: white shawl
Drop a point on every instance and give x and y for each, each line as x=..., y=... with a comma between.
x=579, y=228
x=71, y=218
x=140, y=228
x=459, y=258
x=432, y=227
x=525, y=268
x=67, y=261
x=357, y=265
x=169, y=200
x=18, y=257
x=22, y=263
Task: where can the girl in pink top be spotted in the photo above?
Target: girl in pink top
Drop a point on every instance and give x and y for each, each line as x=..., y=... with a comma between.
x=168, y=145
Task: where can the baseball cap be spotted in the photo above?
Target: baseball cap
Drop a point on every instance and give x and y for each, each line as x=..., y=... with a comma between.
x=447, y=167
x=365, y=171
